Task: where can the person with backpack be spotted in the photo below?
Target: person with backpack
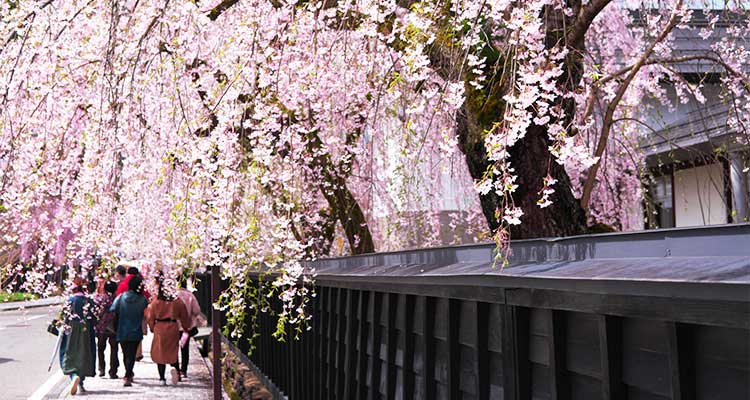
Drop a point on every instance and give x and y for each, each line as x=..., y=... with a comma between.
x=129, y=308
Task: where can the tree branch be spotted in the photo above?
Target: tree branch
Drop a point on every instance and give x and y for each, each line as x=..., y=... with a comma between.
x=220, y=8
x=612, y=106
x=586, y=16
x=744, y=79
x=13, y=35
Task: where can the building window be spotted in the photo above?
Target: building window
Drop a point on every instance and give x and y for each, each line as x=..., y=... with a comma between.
x=661, y=208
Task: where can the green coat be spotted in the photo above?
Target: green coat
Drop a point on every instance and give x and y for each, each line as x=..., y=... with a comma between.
x=78, y=347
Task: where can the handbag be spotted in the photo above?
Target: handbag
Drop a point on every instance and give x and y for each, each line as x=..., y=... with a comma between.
x=53, y=327
x=111, y=327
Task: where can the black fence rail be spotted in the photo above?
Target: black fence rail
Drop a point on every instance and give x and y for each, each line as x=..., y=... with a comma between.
x=651, y=315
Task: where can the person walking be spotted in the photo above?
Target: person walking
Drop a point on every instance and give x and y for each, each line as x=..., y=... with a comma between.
x=162, y=317
x=77, y=346
x=129, y=308
x=122, y=287
x=120, y=273
x=196, y=320
x=106, y=331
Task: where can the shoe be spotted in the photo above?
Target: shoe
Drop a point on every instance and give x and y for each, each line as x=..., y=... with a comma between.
x=163, y=382
x=113, y=376
x=81, y=388
x=127, y=382
x=183, y=374
x=175, y=376
x=101, y=374
x=74, y=385
x=139, y=358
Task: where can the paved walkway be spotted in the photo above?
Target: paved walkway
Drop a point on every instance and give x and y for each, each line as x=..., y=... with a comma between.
x=146, y=384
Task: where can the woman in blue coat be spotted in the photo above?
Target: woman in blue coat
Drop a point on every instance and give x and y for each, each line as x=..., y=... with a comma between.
x=78, y=346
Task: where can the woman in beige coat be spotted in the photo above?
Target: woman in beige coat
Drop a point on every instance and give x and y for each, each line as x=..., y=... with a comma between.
x=162, y=317
x=196, y=321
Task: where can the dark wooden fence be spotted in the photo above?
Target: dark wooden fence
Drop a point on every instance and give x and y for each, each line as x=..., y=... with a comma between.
x=652, y=315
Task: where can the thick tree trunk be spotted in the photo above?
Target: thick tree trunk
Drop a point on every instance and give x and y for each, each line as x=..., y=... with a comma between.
x=530, y=156
x=350, y=214
x=564, y=217
x=341, y=200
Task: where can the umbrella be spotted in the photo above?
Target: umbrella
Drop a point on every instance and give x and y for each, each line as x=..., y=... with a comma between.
x=54, y=353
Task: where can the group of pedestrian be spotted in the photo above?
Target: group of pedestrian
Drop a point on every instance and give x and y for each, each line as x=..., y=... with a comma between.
x=120, y=312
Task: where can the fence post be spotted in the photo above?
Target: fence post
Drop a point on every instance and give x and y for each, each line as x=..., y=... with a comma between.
x=215, y=331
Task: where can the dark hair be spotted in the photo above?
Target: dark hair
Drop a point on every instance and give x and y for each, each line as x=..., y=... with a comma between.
x=110, y=287
x=120, y=270
x=134, y=284
x=163, y=293
x=79, y=285
x=132, y=271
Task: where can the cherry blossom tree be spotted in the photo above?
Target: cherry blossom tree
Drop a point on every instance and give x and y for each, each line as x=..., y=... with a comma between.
x=257, y=134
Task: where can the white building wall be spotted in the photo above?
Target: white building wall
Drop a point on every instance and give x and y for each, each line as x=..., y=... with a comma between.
x=699, y=196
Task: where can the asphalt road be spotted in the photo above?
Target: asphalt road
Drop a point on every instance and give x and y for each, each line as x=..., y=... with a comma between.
x=25, y=351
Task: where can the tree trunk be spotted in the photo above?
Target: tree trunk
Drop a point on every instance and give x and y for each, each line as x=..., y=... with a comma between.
x=341, y=200
x=564, y=217
x=529, y=156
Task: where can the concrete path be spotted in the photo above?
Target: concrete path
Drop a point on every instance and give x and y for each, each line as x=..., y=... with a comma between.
x=146, y=384
x=25, y=351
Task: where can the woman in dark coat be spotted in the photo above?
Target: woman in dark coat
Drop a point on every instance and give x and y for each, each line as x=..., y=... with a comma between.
x=78, y=345
x=129, y=308
x=162, y=316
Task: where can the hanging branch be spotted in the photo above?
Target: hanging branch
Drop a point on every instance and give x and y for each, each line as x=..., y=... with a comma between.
x=612, y=106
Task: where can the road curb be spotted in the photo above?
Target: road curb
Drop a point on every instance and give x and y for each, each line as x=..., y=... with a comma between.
x=59, y=391
x=38, y=304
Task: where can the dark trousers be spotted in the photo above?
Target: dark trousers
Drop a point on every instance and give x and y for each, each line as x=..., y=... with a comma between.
x=128, y=356
x=162, y=368
x=101, y=344
x=184, y=356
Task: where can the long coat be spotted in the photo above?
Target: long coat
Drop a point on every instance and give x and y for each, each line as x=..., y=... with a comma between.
x=78, y=348
x=193, y=309
x=162, y=317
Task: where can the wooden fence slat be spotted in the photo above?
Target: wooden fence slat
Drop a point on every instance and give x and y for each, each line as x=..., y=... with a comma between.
x=483, y=354
x=364, y=299
x=328, y=389
x=377, y=330
x=428, y=330
x=681, y=360
x=454, y=356
x=610, y=344
x=408, y=332
x=516, y=366
x=343, y=309
x=353, y=306
x=318, y=321
x=557, y=347
x=293, y=359
x=390, y=346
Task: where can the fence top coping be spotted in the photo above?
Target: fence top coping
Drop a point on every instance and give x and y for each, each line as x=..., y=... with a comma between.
x=711, y=254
